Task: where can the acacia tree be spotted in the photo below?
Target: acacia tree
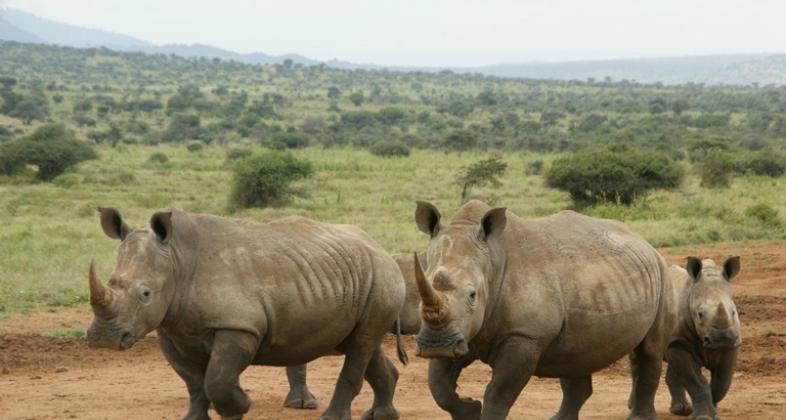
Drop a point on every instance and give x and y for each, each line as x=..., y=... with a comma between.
x=480, y=174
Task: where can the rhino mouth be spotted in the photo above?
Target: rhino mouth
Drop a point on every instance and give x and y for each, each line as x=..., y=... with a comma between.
x=437, y=344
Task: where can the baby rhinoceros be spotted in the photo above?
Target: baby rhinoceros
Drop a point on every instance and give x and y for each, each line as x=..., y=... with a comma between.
x=708, y=335
x=224, y=294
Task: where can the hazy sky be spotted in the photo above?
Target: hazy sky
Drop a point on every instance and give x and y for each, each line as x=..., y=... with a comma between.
x=440, y=32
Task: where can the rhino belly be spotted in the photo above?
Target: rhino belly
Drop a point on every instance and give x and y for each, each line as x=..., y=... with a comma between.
x=591, y=342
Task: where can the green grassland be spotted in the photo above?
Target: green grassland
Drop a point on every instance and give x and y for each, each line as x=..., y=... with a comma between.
x=51, y=231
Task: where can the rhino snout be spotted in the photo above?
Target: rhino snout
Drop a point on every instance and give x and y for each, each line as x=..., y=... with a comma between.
x=108, y=334
x=720, y=339
x=440, y=344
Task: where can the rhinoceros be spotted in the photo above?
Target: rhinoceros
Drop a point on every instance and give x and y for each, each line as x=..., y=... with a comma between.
x=300, y=396
x=561, y=296
x=224, y=294
x=707, y=335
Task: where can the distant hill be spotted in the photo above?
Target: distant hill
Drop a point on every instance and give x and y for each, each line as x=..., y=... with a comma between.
x=733, y=69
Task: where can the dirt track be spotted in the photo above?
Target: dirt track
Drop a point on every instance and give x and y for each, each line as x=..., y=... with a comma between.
x=50, y=378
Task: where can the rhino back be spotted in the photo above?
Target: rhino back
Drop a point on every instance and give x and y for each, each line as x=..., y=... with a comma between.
x=596, y=283
x=298, y=284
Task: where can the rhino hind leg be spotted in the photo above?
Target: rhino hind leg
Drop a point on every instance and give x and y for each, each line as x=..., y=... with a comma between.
x=299, y=396
x=231, y=354
x=575, y=392
x=382, y=375
x=646, y=369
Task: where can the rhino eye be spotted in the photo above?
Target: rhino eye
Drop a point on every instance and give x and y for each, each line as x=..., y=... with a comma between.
x=701, y=316
x=144, y=294
x=472, y=295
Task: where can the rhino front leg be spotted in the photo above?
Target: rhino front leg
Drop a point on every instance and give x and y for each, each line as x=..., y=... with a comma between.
x=442, y=381
x=575, y=391
x=511, y=370
x=191, y=368
x=680, y=405
x=687, y=372
x=720, y=381
x=299, y=395
x=232, y=352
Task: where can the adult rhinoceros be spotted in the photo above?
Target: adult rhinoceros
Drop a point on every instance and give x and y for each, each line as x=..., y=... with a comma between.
x=225, y=294
x=300, y=396
x=562, y=296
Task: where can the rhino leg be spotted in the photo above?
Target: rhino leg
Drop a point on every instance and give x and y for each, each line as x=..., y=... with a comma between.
x=687, y=373
x=192, y=370
x=645, y=368
x=680, y=405
x=382, y=376
x=299, y=395
x=720, y=381
x=575, y=391
x=511, y=370
x=442, y=381
x=232, y=352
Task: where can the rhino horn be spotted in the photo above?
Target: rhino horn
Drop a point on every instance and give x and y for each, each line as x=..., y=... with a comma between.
x=721, y=317
x=99, y=295
x=433, y=310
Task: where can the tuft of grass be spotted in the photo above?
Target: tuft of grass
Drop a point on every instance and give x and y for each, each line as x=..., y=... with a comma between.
x=65, y=333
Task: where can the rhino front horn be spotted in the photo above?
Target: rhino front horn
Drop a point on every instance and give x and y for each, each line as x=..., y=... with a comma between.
x=98, y=292
x=432, y=308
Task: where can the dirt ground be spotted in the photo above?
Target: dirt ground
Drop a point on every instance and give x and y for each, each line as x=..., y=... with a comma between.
x=59, y=378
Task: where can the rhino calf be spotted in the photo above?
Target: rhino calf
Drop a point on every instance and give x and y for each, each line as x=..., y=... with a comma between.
x=707, y=335
x=408, y=323
x=225, y=294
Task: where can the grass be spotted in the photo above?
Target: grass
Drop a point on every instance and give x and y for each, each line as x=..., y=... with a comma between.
x=51, y=231
x=66, y=333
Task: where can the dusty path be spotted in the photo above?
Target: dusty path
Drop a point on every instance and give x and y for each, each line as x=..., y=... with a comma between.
x=50, y=378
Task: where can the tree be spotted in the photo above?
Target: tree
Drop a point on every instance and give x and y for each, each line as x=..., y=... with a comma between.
x=390, y=148
x=678, y=106
x=716, y=169
x=333, y=93
x=480, y=174
x=51, y=148
x=356, y=98
x=460, y=140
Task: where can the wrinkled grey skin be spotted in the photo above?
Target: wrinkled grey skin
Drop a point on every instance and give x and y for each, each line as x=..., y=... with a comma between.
x=224, y=294
x=300, y=396
x=707, y=335
x=561, y=296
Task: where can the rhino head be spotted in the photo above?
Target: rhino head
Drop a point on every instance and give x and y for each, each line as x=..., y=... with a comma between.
x=712, y=309
x=454, y=290
x=141, y=287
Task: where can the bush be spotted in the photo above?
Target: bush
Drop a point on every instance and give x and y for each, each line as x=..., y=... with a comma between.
x=612, y=175
x=263, y=179
x=158, y=157
x=292, y=139
x=764, y=163
x=235, y=154
x=390, y=148
x=764, y=214
x=534, y=168
x=51, y=148
x=195, y=147
x=716, y=169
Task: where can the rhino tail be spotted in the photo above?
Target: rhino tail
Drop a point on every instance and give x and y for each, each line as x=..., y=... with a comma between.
x=402, y=354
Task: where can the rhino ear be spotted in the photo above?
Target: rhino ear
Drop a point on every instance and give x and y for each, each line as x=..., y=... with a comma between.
x=694, y=268
x=731, y=267
x=113, y=224
x=427, y=218
x=493, y=223
x=161, y=223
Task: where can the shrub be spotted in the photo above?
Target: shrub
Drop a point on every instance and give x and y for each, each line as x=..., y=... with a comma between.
x=480, y=174
x=264, y=179
x=235, y=154
x=612, y=175
x=51, y=148
x=716, y=169
x=764, y=214
x=292, y=139
x=158, y=157
x=764, y=163
x=194, y=147
x=534, y=168
x=390, y=148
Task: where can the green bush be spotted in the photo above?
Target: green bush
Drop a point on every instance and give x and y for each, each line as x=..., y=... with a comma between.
x=292, y=139
x=763, y=163
x=764, y=214
x=51, y=148
x=264, y=179
x=716, y=169
x=534, y=168
x=612, y=175
x=195, y=147
x=158, y=157
x=390, y=148
x=235, y=154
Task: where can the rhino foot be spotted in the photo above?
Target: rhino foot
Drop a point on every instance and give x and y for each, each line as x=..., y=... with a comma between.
x=652, y=416
x=301, y=400
x=704, y=417
x=346, y=416
x=380, y=413
x=468, y=409
x=680, y=408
